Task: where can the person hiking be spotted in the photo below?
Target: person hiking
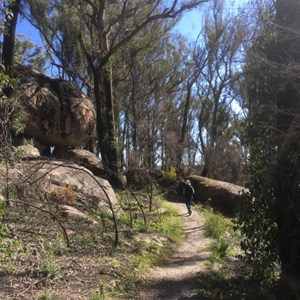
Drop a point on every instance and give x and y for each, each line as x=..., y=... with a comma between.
x=188, y=191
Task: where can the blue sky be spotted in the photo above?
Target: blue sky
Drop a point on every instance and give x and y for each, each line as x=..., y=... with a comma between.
x=191, y=22
x=24, y=28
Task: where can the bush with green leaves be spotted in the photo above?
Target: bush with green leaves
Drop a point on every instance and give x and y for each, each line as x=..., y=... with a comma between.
x=257, y=219
x=169, y=177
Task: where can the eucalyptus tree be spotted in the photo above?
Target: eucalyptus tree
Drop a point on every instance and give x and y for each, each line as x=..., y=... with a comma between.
x=217, y=65
x=27, y=53
x=97, y=29
x=152, y=72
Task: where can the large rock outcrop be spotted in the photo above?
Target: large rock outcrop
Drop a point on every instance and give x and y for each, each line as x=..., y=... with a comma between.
x=83, y=158
x=90, y=161
x=55, y=111
x=60, y=184
x=222, y=196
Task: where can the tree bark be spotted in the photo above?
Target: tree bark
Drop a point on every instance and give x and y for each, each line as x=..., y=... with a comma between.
x=180, y=147
x=105, y=118
x=100, y=125
x=110, y=148
x=9, y=37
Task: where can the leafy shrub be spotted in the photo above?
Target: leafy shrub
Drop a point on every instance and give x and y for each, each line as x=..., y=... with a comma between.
x=64, y=194
x=18, y=124
x=169, y=177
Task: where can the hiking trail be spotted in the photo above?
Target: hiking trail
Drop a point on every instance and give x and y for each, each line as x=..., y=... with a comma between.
x=178, y=279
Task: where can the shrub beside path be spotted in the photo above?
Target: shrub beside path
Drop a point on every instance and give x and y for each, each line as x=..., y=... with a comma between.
x=179, y=278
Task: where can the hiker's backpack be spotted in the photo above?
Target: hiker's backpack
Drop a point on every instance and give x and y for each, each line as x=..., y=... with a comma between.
x=189, y=190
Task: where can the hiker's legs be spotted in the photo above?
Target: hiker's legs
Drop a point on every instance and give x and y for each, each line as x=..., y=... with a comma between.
x=189, y=205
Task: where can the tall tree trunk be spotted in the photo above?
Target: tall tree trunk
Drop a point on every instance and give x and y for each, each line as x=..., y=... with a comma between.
x=180, y=147
x=99, y=112
x=110, y=137
x=125, y=141
x=9, y=37
x=105, y=118
x=134, y=124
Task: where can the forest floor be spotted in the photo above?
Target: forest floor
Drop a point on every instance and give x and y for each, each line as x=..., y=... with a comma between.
x=43, y=268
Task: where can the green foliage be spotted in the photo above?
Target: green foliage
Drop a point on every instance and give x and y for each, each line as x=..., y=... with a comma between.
x=220, y=229
x=164, y=232
x=97, y=296
x=215, y=225
x=169, y=174
x=143, y=260
x=257, y=220
x=8, y=245
x=8, y=123
x=219, y=253
x=51, y=249
x=167, y=224
x=27, y=53
x=5, y=82
x=18, y=124
x=259, y=231
x=50, y=267
x=28, y=141
x=169, y=177
x=57, y=246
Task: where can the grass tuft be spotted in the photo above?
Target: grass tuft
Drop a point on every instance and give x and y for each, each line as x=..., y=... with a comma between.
x=215, y=224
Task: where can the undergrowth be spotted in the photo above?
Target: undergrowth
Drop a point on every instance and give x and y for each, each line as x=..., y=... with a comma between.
x=152, y=244
x=225, y=240
x=228, y=276
x=41, y=256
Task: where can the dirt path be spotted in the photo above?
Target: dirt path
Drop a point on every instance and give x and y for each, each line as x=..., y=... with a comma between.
x=179, y=278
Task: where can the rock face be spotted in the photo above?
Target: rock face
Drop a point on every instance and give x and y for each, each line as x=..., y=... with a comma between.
x=222, y=196
x=90, y=161
x=59, y=183
x=70, y=212
x=83, y=158
x=55, y=111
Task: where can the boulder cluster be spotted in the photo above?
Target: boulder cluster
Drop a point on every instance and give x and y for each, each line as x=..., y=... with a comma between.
x=59, y=117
